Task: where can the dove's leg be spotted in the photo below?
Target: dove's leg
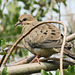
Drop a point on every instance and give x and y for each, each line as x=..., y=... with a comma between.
x=36, y=58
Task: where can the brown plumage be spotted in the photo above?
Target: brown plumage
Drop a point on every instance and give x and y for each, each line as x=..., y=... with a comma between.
x=44, y=40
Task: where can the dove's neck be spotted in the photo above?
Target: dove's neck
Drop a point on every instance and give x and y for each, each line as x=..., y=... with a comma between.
x=29, y=25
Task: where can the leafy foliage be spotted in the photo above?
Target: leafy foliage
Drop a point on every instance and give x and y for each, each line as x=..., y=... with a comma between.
x=69, y=71
x=4, y=71
x=2, y=45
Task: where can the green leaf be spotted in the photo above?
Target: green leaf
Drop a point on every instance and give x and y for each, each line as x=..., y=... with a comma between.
x=64, y=2
x=56, y=10
x=72, y=71
x=43, y=72
x=11, y=7
x=0, y=2
x=1, y=14
x=0, y=42
x=13, y=54
x=8, y=61
x=69, y=68
x=3, y=42
x=57, y=72
x=25, y=52
x=20, y=53
x=4, y=71
x=50, y=73
x=65, y=72
x=3, y=53
x=69, y=71
x=49, y=2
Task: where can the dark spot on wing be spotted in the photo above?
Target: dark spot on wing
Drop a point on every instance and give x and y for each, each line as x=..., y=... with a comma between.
x=51, y=36
x=53, y=33
x=45, y=33
x=41, y=31
x=37, y=34
x=53, y=30
x=46, y=30
x=36, y=31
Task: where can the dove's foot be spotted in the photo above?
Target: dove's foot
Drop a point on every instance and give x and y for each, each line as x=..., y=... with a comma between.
x=36, y=58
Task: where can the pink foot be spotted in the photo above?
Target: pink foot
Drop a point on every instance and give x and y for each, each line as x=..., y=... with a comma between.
x=36, y=58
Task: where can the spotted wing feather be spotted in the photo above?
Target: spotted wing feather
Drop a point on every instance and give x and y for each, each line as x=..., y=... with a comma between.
x=44, y=36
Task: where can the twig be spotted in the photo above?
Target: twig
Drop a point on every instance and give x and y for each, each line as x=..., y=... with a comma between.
x=62, y=50
x=15, y=44
x=72, y=14
x=62, y=47
x=4, y=50
x=57, y=59
x=21, y=46
x=23, y=60
x=70, y=37
x=59, y=3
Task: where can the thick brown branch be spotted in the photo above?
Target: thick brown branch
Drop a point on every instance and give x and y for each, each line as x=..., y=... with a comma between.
x=34, y=67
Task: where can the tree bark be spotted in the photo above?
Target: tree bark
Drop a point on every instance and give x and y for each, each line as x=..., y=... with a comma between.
x=34, y=67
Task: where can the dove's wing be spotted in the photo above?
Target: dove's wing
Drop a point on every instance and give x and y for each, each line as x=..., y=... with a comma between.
x=45, y=44
x=45, y=36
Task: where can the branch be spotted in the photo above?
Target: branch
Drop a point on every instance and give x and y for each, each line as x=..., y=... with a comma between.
x=4, y=50
x=19, y=45
x=15, y=44
x=70, y=37
x=34, y=67
x=23, y=60
x=62, y=49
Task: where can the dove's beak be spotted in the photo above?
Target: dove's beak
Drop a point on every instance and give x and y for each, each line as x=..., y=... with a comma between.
x=18, y=23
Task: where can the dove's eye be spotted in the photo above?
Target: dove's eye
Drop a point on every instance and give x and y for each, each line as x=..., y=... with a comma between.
x=24, y=19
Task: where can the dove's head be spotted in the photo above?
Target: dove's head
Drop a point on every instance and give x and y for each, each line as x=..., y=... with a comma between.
x=25, y=20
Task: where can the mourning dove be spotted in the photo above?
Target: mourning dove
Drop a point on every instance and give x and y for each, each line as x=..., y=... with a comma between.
x=43, y=41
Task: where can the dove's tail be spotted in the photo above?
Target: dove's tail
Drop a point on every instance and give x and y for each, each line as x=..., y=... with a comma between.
x=69, y=53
